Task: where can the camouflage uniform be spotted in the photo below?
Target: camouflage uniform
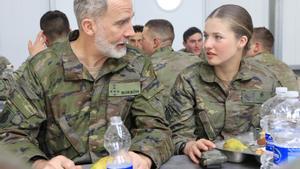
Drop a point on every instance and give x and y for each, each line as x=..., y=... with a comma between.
x=201, y=107
x=202, y=54
x=69, y=109
x=282, y=72
x=168, y=64
x=4, y=83
x=3, y=63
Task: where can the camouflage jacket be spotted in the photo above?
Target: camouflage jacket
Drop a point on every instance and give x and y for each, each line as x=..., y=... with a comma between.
x=282, y=72
x=168, y=64
x=201, y=56
x=69, y=110
x=3, y=63
x=200, y=107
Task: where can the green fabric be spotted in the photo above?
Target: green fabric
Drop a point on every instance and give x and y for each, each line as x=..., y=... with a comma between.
x=198, y=93
x=282, y=72
x=168, y=64
x=69, y=109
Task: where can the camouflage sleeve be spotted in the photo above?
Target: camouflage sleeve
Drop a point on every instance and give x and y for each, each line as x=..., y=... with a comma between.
x=5, y=89
x=18, y=73
x=287, y=77
x=180, y=113
x=22, y=117
x=151, y=135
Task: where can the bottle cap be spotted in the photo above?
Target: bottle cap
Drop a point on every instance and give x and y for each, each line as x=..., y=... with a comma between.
x=281, y=90
x=115, y=120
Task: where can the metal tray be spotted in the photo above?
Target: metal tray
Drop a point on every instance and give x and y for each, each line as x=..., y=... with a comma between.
x=238, y=157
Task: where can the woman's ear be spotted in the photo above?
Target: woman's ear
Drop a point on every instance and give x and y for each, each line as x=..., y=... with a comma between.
x=243, y=41
x=89, y=26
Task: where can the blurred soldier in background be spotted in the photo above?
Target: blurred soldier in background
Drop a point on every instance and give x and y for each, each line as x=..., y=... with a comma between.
x=261, y=46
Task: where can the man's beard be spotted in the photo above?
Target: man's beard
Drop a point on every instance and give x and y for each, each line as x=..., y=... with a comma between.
x=109, y=50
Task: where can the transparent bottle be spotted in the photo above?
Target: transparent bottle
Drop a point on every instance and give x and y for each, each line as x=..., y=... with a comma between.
x=117, y=141
x=266, y=115
x=285, y=129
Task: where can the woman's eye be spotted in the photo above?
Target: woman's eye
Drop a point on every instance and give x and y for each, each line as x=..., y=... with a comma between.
x=218, y=37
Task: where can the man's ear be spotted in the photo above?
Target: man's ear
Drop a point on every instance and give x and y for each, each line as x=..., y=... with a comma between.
x=89, y=26
x=156, y=43
x=257, y=48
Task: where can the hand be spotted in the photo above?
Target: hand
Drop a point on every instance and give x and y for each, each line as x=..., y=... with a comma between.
x=38, y=45
x=58, y=162
x=193, y=148
x=140, y=161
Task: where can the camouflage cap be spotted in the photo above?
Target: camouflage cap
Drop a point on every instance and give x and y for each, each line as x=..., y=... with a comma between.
x=3, y=63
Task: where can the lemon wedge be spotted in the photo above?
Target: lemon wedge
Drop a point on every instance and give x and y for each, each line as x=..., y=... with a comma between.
x=234, y=145
x=101, y=163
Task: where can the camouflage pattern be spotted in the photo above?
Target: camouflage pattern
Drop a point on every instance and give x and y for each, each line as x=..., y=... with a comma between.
x=5, y=89
x=202, y=54
x=8, y=160
x=168, y=64
x=6, y=83
x=282, y=72
x=3, y=63
x=67, y=110
x=21, y=68
x=201, y=107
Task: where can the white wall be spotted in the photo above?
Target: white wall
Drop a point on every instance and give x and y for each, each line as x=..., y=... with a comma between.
x=290, y=33
x=194, y=12
x=20, y=21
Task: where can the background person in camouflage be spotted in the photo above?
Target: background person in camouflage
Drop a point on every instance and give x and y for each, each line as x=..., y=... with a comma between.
x=136, y=39
x=193, y=41
x=220, y=97
x=54, y=26
x=158, y=36
x=3, y=64
x=261, y=46
x=75, y=87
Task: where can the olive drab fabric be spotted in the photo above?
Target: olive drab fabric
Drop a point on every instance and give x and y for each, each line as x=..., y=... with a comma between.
x=3, y=63
x=5, y=83
x=200, y=106
x=168, y=63
x=71, y=109
x=282, y=72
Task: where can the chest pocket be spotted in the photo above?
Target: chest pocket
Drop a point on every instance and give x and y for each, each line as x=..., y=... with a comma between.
x=244, y=114
x=251, y=97
x=120, y=97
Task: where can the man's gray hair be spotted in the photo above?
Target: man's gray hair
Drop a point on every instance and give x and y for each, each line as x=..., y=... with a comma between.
x=89, y=8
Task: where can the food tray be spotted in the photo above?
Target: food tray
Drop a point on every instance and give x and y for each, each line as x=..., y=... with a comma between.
x=238, y=157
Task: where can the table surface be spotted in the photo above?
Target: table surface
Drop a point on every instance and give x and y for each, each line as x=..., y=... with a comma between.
x=182, y=162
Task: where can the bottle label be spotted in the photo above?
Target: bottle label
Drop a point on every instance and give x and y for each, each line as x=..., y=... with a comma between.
x=269, y=142
x=119, y=166
x=283, y=154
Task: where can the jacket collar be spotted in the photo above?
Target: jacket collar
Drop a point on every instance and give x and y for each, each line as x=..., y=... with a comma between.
x=208, y=74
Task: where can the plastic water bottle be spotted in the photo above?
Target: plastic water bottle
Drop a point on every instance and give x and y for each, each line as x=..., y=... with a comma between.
x=117, y=141
x=8, y=75
x=285, y=129
x=266, y=114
